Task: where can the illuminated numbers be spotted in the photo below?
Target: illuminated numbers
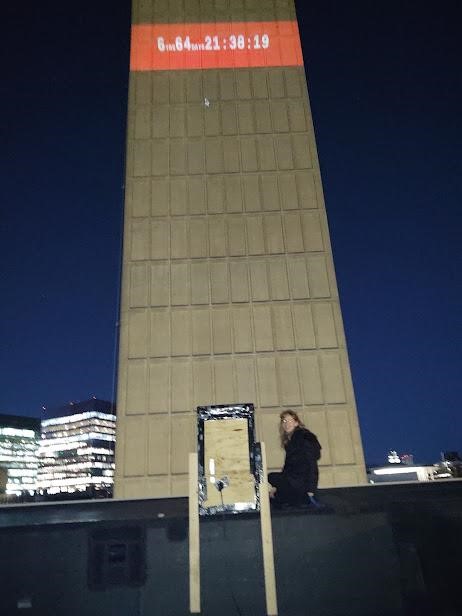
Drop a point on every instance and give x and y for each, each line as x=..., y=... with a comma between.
x=256, y=41
x=187, y=43
x=240, y=42
x=179, y=43
x=265, y=41
x=232, y=42
x=160, y=43
x=212, y=43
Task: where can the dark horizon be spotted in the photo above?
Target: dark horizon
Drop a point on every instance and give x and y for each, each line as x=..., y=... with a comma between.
x=385, y=89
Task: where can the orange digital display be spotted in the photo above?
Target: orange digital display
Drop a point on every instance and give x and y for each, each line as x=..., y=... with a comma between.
x=166, y=47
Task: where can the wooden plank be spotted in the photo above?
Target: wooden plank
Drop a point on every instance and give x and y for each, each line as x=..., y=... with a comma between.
x=267, y=540
x=194, y=538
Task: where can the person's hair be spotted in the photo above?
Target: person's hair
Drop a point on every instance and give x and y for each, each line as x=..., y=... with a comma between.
x=285, y=438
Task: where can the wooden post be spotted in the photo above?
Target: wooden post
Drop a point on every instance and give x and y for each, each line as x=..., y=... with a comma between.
x=267, y=540
x=194, y=541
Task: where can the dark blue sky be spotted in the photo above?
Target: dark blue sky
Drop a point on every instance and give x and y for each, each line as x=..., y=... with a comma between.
x=386, y=93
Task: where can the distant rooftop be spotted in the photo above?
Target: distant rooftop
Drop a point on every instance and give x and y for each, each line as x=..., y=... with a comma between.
x=19, y=422
x=74, y=408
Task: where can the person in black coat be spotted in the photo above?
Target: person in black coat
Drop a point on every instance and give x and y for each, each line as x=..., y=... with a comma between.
x=298, y=481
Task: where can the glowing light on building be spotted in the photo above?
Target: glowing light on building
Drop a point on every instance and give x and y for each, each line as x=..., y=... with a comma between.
x=19, y=442
x=77, y=449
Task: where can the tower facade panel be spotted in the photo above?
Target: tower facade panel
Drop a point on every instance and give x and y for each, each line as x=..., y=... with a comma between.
x=229, y=292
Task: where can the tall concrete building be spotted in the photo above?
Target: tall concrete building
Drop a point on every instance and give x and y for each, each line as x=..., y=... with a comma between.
x=229, y=292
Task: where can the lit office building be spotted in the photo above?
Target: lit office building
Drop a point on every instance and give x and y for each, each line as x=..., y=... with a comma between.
x=19, y=442
x=77, y=449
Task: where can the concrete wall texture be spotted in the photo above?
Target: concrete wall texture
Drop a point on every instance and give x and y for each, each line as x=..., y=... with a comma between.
x=229, y=292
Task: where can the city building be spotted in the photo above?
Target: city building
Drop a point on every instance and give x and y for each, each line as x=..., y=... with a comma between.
x=228, y=291
x=77, y=449
x=19, y=443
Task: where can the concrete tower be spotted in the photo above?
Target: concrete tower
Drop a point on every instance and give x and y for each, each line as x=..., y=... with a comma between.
x=229, y=292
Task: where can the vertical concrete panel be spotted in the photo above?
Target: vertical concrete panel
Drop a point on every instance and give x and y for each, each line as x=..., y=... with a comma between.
x=141, y=158
x=196, y=156
x=178, y=239
x=284, y=152
x=236, y=236
x=201, y=332
x=246, y=118
x=251, y=187
x=221, y=331
x=199, y=282
x=233, y=193
x=137, y=333
x=242, y=330
x=198, y=238
x=135, y=447
x=196, y=196
x=288, y=190
x=259, y=281
x=296, y=115
x=293, y=84
x=239, y=281
x=195, y=120
x=259, y=84
x=227, y=86
x=181, y=332
x=160, y=239
x=229, y=125
x=243, y=84
x=263, y=330
x=139, y=285
x=273, y=234
x=160, y=333
x=276, y=83
x=160, y=121
x=159, y=197
x=244, y=368
x=194, y=92
x=219, y=283
x=303, y=326
x=312, y=232
x=269, y=192
x=340, y=436
x=255, y=236
x=212, y=123
x=160, y=157
x=158, y=445
x=289, y=384
x=278, y=279
x=181, y=386
x=178, y=164
x=267, y=381
x=306, y=190
x=159, y=387
x=141, y=197
x=268, y=426
x=301, y=151
x=214, y=155
x=231, y=160
x=140, y=240
x=249, y=158
x=160, y=88
x=293, y=233
x=283, y=327
x=183, y=435
x=325, y=326
x=217, y=237
x=180, y=284
x=202, y=382
x=279, y=116
x=136, y=387
x=298, y=278
x=142, y=88
x=334, y=388
x=310, y=377
x=177, y=121
x=224, y=385
x=317, y=277
x=266, y=153
x=262, y=116
x=160, y=284
x=215, y=195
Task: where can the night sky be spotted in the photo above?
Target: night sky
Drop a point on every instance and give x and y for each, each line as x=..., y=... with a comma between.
x=386, y=94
